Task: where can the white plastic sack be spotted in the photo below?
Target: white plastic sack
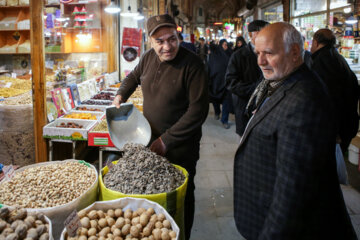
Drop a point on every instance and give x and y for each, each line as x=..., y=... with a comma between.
x=58, y=214
x=133, y=204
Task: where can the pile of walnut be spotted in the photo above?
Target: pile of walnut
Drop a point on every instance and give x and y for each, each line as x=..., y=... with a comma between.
x=116, y=224
x=18, y=224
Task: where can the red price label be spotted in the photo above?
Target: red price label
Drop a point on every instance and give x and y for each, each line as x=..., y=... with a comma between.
x=72, y=223
x=9, y=172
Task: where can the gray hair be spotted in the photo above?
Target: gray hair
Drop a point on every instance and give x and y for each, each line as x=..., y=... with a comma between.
x=292, y=36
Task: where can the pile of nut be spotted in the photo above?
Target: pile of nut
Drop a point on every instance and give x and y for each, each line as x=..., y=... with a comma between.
x=101, y=127
x=17, y=224
x=119, y=224
x=47, y=185
x=141, y=171
x=25, y=98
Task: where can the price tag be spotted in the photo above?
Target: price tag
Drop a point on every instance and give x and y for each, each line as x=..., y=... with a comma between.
x=109, y=164
x=50, y=117
x=13, y=75
x=72, y=223
x=9, y=172
x=8, y=85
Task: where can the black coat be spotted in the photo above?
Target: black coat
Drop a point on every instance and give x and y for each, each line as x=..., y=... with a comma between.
x=343, y=88
x=242, y=76
x=285, y=181
x=217, y=65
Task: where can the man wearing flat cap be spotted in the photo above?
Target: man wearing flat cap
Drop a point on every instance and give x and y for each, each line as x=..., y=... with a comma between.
x=242, y=76
x=175, y=89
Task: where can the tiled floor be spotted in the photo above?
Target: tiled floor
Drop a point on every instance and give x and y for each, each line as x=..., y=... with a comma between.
x=214, y=186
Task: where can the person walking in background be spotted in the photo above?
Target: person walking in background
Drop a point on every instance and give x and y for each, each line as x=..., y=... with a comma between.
x=175, y=89
x=285, y=181
x=341, y=82
x=242, y=76
x=202, y=50
x=240, y=42
x=187, y=45
x=219, y=95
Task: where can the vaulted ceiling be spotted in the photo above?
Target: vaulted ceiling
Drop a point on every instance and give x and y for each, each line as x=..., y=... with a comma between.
x=221, y=8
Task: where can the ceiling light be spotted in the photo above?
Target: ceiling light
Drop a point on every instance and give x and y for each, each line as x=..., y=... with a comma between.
x=112, y=8
x=351, y=20
x=347, y=10
x=129, y=13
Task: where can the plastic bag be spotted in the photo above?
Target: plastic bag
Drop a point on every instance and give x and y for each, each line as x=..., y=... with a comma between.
x=340, y=166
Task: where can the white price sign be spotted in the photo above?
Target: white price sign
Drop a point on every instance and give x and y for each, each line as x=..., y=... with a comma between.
x=9, y=172
x=13, y=75
x=72, y=223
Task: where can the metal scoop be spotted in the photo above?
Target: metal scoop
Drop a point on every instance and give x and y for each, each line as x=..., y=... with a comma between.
x=127, y=125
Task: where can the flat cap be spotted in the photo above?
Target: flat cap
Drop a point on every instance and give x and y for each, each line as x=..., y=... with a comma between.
x=256, y=25
x=155, y=22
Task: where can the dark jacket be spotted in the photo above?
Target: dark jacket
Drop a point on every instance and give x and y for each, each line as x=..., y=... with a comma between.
x=285, y=179
x=175, y=96
x=217, y=65
x=343, y=87
x=242, y=76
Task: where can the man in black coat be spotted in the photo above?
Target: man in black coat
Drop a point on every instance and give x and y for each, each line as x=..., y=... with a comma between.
x=285, y=181
x=242, y=76
x=341, y=82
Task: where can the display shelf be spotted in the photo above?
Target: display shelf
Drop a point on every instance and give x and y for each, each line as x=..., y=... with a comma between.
x=13, y=30
x=14, y=53
x=52, y=5
x=24, y=6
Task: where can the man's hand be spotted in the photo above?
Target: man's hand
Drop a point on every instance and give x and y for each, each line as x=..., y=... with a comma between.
x=117, y=101
x=158, y=147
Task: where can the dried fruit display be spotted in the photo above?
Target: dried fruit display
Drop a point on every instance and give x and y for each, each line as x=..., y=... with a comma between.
x=87, y=116
x=69, y=125
x=141, y=171
x=19, y=224
x=95, y=102
x=104, y=96
x=88, y=109
x=48, y=185
x=120, y=224
x=22, y=99
x=115, y=85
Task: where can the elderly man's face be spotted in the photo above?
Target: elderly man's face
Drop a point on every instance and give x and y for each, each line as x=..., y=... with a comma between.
x=274, y=62
x=165, y=43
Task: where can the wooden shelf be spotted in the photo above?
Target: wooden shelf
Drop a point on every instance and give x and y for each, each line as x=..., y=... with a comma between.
x=13, y=30
x=25, y=6
x=52, y=5
x=15, y=53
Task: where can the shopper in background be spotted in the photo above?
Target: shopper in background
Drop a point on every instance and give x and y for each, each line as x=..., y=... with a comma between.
x=341, y=82
x=240, y=42
x=242, y=76
x=285, y=181
x=202, y=50
x=219, y=95
x=187, y=45
x=175, y=90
